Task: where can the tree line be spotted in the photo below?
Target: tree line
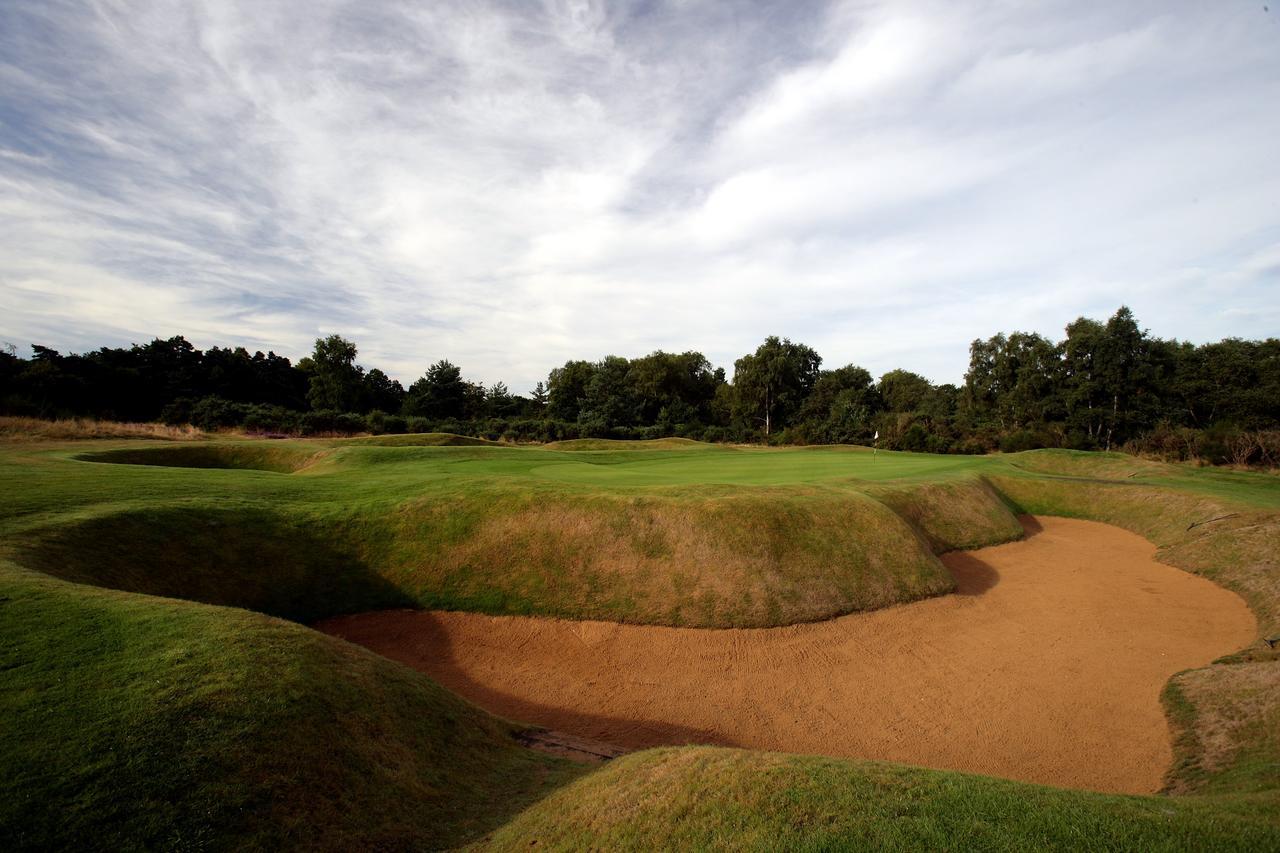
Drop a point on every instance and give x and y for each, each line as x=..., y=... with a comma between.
x=1105, y=385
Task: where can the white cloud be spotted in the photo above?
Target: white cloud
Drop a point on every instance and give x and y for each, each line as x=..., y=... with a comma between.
x=512, y=186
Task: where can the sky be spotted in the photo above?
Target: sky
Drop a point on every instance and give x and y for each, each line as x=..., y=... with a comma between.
x=511, y=185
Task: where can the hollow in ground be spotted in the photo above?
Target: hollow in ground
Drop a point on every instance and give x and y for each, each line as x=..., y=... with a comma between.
x=1046, y=666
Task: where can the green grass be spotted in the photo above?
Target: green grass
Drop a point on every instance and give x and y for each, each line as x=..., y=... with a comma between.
x=705, y=798
x=150, y=718
x=135, y=723
x=701, y=536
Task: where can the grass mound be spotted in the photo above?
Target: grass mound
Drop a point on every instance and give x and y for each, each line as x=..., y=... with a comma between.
x=672, y=443
x=246, y=455
x=420, y=439
x=705, y=798
x=140, y=723
x=770, y=558
x=953, y=515
x=1091, y=464
x=699, y=558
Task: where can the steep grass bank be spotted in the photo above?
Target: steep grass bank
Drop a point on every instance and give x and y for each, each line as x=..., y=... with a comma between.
x=701, y=558
x=711, y=558
x=134, y=722
x=952, y=515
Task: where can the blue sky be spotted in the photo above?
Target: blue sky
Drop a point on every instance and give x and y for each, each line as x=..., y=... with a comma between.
x=510, y=185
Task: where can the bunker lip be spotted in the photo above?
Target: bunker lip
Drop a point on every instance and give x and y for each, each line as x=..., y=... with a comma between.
x=1047, y=667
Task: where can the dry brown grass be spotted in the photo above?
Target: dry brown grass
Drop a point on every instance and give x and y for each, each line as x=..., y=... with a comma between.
x=1098, y=466
x=37, y=429
x=1234, y=730
x=954, y=515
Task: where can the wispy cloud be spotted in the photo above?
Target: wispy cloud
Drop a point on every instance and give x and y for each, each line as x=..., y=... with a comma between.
x=510, y=185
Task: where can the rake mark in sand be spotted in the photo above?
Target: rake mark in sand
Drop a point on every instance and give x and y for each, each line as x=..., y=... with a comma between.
x=1046, y=667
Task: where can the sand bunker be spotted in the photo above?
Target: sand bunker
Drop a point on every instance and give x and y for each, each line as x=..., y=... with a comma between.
x=1046, y=667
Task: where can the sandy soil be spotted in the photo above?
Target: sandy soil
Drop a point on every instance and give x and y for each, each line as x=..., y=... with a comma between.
x=1047, y=666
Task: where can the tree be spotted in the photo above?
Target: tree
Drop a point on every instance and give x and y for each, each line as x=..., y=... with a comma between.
x=772, y=383
x=1123, y=371
x=683, y=385
x=336, y=380
x=1012, y=381
x=904, y=391
x=566, y=388
x=608, y=400
x=840, y=407
x=502, y=403
x=538, y=396
x=1083, y=391
x=439, y=394
x=382, y=393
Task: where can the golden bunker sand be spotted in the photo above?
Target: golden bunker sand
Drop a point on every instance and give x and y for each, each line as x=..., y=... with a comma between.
x=1046, y=666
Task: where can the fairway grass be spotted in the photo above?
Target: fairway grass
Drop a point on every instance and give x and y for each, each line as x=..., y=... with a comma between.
x=137, y=721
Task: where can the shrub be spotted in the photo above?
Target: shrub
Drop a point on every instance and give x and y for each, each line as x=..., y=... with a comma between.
x=213, y=413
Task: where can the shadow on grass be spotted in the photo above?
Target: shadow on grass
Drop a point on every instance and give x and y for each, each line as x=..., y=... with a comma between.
x=247, y=557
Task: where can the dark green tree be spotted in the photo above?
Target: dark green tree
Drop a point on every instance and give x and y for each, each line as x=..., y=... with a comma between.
x=841, y=406
x=336, y=380
x=381, y=392
x=772, y=383
x=608, y=401
x=566, y=388
x=438, y=394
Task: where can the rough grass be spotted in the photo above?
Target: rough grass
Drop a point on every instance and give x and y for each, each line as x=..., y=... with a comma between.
x=953, y=515
x=248, y=557
x=777, y=556
x=36, y=429
x=1228, y=731
x=703, y=559
x=1082, y=463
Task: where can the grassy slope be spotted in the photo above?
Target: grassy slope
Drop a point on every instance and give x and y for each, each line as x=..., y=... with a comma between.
x=700, y=537
x=133, y=722
x=228, y=725
x=706, y=798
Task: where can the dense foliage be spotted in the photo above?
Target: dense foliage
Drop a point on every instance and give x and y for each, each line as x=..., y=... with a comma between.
x=1105, y=385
